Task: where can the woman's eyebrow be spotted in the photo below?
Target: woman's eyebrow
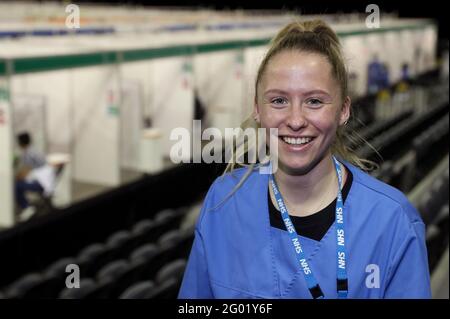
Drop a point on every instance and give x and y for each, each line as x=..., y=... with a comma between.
x=275, y=91
x=317, y=92
x=311, y=92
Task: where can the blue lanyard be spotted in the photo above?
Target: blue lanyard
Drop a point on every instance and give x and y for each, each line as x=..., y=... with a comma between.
x=311, y=282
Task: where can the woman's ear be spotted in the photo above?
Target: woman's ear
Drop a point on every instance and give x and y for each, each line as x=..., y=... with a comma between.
x=345, y=112
x=256, y=112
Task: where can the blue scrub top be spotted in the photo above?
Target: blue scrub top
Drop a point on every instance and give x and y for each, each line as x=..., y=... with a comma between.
x=237, y=254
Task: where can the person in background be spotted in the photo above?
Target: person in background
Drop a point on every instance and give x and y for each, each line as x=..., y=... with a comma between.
x=33, y=174
x=28, y=157
x=374, y=70
x=384, y=77
x=405, y=73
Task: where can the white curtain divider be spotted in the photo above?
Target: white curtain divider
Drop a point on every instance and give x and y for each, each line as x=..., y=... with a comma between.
x=6, y=158
x=96, y=154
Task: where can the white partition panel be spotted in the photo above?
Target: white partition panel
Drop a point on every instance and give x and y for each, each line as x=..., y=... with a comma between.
x=253, y=58
x=6, y=159
x=357, y=58
x=219, y=79
x=406, y=46
x=395, y=56
x=374, y=42
x=96, y=157
x=140, y=72
x=428, y=41
x=137, y=88
x=172, y=97
x=30, y=116
x=131, y=120
x=56, y=87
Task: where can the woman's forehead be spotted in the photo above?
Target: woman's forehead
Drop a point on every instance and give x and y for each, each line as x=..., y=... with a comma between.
x=298, y=71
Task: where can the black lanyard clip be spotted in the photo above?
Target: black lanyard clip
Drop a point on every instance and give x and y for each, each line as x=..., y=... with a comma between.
x=342, y=284
x=316, y=292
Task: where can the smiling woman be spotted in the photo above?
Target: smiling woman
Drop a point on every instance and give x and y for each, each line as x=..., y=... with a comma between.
x=319, y=224
x=299, y=96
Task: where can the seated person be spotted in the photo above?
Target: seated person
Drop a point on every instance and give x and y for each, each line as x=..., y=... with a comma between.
x=33, y=175
x=28, y=157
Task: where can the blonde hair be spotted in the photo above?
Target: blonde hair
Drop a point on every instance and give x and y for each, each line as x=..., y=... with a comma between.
x=313, y=36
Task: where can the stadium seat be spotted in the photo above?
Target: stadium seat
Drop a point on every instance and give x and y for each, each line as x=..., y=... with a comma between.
x=87, y=286
x=171, y=218
x=124, y=275
x=438, y=236
x=385, y=172
x=20, y=288
x=113, y=269
x=169, y=237
x=102, y=290
x=432, y=201
x=133, y=274
x=53, y=281
x=166, y=290
x=55, y=277
x=142, y=225
x=167, y=224
x=377, y=128
x=165, y=214
x=149, y=231
x=442, y=218
x=161, y=257
x=120, y=244
x=92, y=258
x=179, y=240
x=141, y=290
x=106, y=279
x=145, y=252
x=174, y=269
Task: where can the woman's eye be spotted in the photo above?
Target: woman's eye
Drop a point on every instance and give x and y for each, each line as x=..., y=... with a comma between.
x=314, y=102
x=278, y=100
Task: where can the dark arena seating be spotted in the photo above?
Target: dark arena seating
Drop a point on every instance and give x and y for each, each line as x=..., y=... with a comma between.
x=132, y=242
x=122, y=239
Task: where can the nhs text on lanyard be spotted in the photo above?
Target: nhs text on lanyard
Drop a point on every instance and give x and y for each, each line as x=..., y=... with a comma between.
x=311, y=282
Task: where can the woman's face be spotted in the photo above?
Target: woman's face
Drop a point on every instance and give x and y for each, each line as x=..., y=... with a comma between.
x=298, y=95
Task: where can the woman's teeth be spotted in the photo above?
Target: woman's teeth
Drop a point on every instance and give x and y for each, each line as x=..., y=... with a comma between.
x=296, y=141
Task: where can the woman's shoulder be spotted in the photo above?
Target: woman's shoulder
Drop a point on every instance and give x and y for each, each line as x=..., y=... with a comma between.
x=235, y=186
x=380, y=192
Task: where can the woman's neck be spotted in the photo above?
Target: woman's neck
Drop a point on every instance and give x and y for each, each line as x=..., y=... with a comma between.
x=307, y=194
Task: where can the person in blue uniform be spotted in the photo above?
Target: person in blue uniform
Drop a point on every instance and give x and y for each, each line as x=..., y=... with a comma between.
x=317, y=226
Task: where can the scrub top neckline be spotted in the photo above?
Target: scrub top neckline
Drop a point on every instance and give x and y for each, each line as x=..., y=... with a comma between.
x=325, y=217
x=332, y=227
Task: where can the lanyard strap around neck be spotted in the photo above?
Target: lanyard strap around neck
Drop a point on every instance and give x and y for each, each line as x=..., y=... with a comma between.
x=311, y=282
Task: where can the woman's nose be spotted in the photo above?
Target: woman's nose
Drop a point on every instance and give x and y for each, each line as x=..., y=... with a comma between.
x=296, y=119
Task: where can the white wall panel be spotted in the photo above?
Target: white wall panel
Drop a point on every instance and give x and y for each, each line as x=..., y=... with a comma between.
x=96, y=156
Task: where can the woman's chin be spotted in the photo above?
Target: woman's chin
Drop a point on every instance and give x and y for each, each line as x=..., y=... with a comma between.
x=295, y=167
